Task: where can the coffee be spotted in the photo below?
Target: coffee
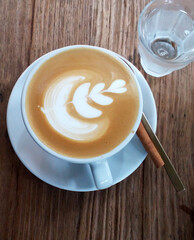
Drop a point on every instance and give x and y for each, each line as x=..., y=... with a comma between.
x=82, y=103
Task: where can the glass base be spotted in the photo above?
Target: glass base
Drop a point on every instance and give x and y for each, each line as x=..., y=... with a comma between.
x=154, y=74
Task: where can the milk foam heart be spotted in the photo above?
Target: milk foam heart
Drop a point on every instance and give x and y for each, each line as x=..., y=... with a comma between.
x=56, y=103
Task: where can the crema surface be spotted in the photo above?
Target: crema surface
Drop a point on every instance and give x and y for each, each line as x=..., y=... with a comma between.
x=82, y=103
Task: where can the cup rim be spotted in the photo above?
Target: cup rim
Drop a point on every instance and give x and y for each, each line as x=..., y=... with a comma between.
x=53, y=53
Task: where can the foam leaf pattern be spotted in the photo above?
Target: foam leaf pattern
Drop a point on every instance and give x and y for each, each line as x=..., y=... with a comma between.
x=81, y=105
x=117, y=86
x=82, y=94
x=118, y=90
x=97, y=96
x=101, y=99
x=97, y=89
x=57, y=107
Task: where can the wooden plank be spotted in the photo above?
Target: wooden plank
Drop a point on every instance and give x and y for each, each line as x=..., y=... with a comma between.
x=145, y=205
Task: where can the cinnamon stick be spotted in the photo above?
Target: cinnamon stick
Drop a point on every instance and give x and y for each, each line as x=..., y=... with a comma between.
x=149, y=146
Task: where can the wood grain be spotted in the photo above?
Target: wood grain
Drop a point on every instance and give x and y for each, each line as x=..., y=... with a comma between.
x=143, y=206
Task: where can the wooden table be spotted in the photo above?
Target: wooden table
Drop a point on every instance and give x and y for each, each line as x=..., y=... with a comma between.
x=143, y=206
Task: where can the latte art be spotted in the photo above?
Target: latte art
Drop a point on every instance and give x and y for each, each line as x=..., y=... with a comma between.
x=57, y=99
x=82, y=102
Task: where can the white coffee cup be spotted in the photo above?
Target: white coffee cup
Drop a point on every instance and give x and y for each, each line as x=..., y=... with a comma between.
x=99, y=165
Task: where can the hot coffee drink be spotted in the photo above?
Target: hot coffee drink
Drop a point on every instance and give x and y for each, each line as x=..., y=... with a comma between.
x=82, y=102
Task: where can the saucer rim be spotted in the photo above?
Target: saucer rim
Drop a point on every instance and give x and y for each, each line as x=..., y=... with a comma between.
x=55, y=185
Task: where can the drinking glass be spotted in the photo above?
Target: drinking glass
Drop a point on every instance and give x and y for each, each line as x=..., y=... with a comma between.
x=166, y=36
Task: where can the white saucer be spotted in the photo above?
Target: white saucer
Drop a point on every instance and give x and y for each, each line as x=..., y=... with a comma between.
x=59, y=173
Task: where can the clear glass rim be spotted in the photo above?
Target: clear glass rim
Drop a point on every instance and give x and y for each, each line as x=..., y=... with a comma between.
x=142, y=14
